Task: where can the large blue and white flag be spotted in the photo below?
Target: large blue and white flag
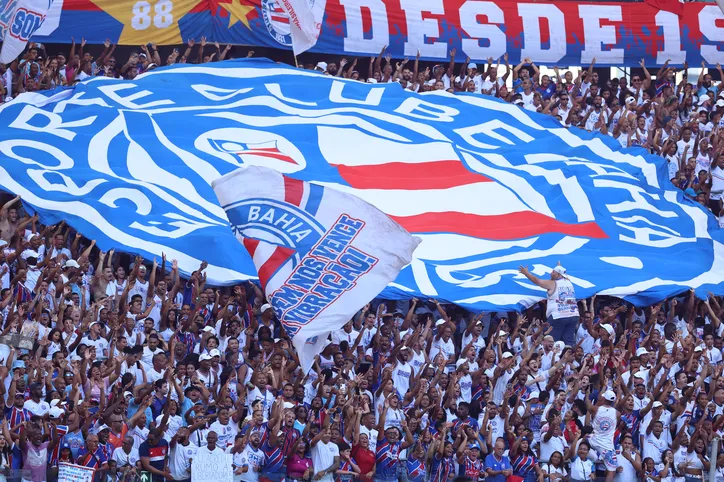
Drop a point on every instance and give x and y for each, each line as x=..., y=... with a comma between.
x=317, y=251
x=484, y=184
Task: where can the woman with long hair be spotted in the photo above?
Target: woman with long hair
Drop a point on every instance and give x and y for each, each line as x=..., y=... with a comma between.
x=299, y=463
x=524, y=461
x=168, y=324
x=554, y=470
x=696, y=462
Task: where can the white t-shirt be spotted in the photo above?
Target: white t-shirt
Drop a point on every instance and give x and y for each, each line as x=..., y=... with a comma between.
x=252, y=458
x=267, y=399
x=179, y=460
x=139, y=288
x=654, y=447
x=581, y=469
x=447, y=348
x=604, y=427
x=39, y=409
x=555, y=444
x=226, y=433
x=628, y=472
x=122, y=458
x=717, y=184
x=323, y=457
x=401, y=375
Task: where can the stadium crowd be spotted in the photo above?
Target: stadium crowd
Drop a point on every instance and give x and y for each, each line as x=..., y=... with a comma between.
x=124, y=366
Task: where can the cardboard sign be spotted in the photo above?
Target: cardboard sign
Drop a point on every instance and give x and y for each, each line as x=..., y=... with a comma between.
x=212, y=468
x=74, y=473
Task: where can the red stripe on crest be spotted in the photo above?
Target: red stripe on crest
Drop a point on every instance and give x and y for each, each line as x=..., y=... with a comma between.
x=251, y=245
x=293, y=191
x=406, y=176
x=498, y=227
x=280, y=256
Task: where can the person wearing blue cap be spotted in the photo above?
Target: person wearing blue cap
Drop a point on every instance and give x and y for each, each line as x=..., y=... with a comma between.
x=468, y=457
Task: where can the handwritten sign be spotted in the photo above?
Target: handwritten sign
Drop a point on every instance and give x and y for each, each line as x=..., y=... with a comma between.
x=212, y=468
x=74, y=473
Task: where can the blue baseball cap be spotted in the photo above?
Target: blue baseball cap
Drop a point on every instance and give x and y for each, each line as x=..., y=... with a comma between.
x=18, y=364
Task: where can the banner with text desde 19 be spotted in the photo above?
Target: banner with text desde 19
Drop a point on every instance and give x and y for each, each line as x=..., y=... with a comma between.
x=207, y=467
x=566, y=33
x=74, y=473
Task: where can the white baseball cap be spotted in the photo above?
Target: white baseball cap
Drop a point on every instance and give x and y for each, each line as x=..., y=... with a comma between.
x=204, y=356
x=532, y=396
x=642, y=351
x=472, y=65
x=265, y=307
x=214, y=352
x=29, y=253
x=56, y=412
x=609, y=395
x=322, y=66
x=560, y=270
x=71, y=263
x=507, y=354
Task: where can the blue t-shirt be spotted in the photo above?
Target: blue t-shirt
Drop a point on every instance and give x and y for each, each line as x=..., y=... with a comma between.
x=76, y=442
x=388, y=454
x=493, y=463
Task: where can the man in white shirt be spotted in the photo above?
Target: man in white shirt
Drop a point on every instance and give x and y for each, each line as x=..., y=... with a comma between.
x=655, y=443
x=126, y=455
x=181, y=451
x=250, y=461
x=150, y=350
x=36, y=405
x=210, y=447
x=325, y=456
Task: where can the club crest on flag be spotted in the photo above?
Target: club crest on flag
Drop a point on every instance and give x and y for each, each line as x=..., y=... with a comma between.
x=276, y=21
x=317, y=250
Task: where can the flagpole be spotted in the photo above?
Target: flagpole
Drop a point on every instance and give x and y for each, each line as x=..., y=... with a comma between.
x=297, y=63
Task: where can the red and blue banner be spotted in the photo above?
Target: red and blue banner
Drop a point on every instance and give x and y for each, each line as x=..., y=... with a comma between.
x=566, y=33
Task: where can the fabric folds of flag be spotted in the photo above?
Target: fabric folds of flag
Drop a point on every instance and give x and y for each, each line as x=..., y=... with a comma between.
x=673, y=6
x=320, y=254
x=305, y=22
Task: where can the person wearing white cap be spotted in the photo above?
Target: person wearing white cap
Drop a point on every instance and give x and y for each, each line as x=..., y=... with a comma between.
x=562, y=308
x=605, y=420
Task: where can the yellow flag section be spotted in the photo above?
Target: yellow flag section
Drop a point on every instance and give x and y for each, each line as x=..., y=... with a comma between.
x=149, y=21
